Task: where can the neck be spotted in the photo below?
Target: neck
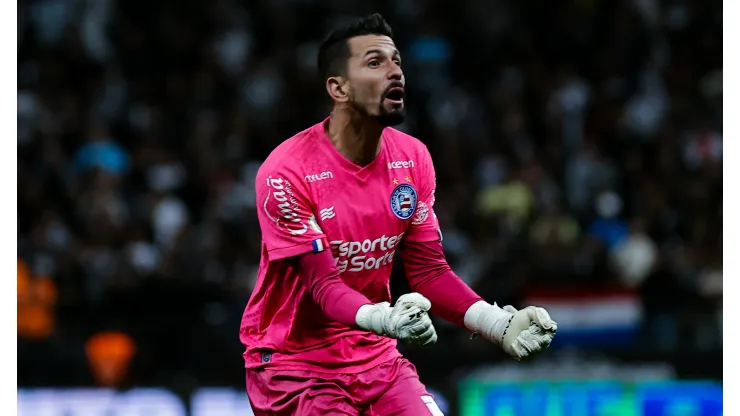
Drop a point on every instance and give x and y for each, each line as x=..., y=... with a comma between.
x=357, y=137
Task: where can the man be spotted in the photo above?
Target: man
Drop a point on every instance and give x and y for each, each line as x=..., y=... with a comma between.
x=336, y=202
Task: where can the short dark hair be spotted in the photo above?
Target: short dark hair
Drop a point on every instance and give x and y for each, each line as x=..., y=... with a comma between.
x=334, y=51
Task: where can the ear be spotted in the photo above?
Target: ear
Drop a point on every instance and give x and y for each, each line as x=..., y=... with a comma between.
x=338, y=87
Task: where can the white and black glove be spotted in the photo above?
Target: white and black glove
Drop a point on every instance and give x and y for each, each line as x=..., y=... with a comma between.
x=521, y=333
x=408, y=320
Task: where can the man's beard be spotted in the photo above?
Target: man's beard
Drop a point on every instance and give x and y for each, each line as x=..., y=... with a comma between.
x=384, y=117
x=390, y=118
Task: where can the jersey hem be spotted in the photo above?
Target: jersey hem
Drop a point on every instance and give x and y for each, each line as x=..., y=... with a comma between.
x=287, y=364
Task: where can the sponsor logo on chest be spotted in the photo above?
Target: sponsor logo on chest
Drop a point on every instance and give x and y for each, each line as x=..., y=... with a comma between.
x=368, y=254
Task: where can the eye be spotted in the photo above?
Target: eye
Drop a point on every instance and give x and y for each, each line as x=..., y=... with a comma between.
x=397, y=61
x=373, y=63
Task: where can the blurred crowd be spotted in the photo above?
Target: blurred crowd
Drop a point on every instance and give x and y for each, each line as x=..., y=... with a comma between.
x=577, y=144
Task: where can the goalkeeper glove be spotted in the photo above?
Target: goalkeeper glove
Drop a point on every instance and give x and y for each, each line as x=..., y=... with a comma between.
x=408, y=320
x=521, y=333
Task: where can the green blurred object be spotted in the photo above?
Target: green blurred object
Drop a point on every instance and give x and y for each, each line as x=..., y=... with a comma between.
x=591, y=398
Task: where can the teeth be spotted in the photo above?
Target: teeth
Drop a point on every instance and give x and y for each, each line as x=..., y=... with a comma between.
x=395, y=95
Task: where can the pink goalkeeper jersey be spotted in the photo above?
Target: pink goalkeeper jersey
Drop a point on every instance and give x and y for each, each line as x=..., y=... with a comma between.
x=310, y=198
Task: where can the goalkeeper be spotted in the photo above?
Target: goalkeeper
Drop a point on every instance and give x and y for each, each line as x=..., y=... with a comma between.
x=335, y=204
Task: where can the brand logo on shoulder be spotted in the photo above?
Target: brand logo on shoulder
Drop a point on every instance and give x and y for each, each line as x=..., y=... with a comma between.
x=319, y=176
x=422, y=213
x=286, y=211
x=403, y=201
x=401, y=164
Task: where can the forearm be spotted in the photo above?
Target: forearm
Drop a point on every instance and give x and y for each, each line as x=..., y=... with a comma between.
x=452, y=299
x=338, y=301
x=429, y=274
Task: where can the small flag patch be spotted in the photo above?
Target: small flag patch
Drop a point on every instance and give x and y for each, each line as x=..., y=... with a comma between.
x=318, y=246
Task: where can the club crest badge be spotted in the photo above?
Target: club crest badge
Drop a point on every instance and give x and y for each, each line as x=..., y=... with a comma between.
x=403, y=201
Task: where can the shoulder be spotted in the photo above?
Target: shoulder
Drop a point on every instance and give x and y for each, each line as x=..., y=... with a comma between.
x=289, y=157
x=408, y=145
x=403, y=140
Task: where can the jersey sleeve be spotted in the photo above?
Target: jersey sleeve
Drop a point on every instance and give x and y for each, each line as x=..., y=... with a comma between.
x=424, y=224
x=288, y=225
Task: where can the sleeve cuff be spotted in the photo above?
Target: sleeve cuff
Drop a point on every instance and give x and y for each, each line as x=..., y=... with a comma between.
x=424, y=236
x=315, y=246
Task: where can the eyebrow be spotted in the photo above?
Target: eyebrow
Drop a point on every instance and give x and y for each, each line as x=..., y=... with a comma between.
x=380, y=52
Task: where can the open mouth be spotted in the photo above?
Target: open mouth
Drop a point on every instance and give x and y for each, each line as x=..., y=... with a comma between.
x=395, y=95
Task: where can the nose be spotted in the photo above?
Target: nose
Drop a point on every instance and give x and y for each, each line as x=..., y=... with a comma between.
x=395, y=73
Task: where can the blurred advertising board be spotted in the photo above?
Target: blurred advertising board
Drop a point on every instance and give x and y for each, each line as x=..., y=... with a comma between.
x=141, y=402
x=590, y=398
x=134, y=402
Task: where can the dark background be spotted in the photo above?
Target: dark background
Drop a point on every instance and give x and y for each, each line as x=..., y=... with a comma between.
x=578, y=146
